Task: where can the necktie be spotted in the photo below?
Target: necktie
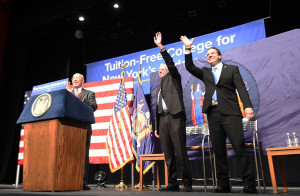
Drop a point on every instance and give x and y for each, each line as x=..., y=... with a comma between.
x=160, y=108
x=214, y=71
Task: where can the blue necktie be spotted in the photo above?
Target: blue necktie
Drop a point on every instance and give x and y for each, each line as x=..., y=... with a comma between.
x=214, y=71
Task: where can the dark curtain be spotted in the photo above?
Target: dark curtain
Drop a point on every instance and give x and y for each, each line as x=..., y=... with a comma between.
x=13, y=71
x=4, y=15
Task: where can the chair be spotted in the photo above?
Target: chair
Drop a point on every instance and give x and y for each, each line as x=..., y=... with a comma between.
x=254, y=145
x=202, y=130
x=153, y=157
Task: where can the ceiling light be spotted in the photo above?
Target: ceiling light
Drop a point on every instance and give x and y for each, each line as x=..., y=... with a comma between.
x=116, y=5
x=81, y=18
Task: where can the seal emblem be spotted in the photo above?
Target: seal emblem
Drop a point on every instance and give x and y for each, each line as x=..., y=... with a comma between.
x=41, y=105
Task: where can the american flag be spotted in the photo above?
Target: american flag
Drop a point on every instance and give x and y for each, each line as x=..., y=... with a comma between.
x=118, y=141
x=27, y=96
x=106, y=94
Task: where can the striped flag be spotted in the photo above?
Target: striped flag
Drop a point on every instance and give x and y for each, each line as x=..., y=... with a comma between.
x=106, y=94
x=27, y=96
x=118, y=140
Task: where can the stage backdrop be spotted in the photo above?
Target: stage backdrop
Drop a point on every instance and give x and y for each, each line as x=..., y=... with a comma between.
x=271, y=71
x=151, y=59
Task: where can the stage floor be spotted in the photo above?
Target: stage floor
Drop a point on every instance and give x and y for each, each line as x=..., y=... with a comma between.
x=11, y=190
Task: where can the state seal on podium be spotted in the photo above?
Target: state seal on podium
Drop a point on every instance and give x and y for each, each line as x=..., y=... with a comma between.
x=41, y=105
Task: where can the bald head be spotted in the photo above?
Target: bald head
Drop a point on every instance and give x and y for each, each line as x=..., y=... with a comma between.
x=77, y=80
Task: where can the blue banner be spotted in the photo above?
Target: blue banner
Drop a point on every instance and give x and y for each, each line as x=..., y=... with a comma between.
x=151, y=59
x=49, y=87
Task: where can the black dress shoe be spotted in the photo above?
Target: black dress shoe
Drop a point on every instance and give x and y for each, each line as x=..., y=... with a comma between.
x=222, y=189
x=249, y=189
x=86, y=187
x=174, y=188
x=187, y=188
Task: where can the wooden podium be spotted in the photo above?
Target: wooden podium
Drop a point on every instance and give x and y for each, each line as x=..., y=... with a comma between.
x=54, y=148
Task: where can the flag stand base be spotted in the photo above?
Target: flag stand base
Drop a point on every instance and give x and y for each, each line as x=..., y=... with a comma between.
x=138, y=186
x=121, y=185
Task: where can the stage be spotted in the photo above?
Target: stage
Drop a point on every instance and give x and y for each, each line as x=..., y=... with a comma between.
x=150, y=191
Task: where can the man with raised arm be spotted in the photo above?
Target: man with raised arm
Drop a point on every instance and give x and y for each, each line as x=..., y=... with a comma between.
x=170, y=120
x=223, y=113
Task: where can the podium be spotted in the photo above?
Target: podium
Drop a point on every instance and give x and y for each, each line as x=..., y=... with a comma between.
x=55, y=130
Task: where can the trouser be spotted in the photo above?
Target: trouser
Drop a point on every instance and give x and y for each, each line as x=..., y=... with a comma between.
x=221, y=127
x=172, y=136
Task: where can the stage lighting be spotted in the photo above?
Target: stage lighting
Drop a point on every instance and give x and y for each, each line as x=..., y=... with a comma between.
x=81, y=18
x=100, y=177
x=116, y=5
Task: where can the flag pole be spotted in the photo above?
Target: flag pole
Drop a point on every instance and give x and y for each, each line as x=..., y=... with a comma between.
x=137, y=104
x=140, y=82
x=122, y=66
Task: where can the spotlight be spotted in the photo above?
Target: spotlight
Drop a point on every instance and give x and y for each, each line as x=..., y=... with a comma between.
x=81, y=18
x=116, y=5
x=100, y=177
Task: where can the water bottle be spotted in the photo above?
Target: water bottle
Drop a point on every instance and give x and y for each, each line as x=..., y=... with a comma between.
x=295, y=140
x=288, y=140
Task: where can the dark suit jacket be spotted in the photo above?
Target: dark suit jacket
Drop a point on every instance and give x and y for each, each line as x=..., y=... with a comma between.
x=230, y=80
x=88, y=97
x=171, y=90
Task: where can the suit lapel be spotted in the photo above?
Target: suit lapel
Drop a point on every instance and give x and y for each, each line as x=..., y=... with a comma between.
x=83, y=92
x=223, y=72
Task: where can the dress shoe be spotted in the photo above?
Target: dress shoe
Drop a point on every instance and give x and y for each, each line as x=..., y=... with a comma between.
x=187, y=188
x=174, y=188
x=86, y=187
x=222, y=189
x=249, y=189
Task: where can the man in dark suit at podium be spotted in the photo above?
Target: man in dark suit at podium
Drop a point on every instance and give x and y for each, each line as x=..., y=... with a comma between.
x=170, y=120
x=87, y=97
x=223, y=113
